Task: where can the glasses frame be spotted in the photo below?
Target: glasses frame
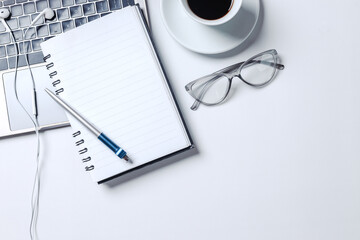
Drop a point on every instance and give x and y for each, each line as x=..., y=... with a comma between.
x=231, y=72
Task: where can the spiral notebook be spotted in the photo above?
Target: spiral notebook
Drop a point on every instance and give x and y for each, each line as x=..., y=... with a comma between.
x=108, y=70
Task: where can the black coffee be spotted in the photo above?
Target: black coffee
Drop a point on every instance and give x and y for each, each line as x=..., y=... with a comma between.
x=210, y=9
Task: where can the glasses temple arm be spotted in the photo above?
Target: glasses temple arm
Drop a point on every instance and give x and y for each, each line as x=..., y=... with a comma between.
x=195, y=105
x=237, y=65
x=276, y=65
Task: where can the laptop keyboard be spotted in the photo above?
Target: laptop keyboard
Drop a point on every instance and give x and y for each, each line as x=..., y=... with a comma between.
x=69, y=14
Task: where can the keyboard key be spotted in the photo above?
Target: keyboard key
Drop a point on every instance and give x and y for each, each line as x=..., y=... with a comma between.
x=36, y=57
x=16, y=10
x=29, y=8
x=4, y=38
x=3, y=64
x=47, y=38
x=55, y=28
x=80, y=21
x=9, y=2
x=115, y=4
x=80, y=1
x=18, y=35
x=21, y=61
x=1, y=4
x=75, y=11
x=102, y=6
x=11, y=50
x=104, y=14
x=13, y=23
x=88, y=9
x=127, y=3
x=93, y=17
x=21, y=47
x=67, y=3
x=68, y=25
x=55, y=3
x=41, y=5
x=21, y=1
x=2, y=51
x=30, y=33
x=2, y=28
x=42, y=31
x=24, y=21
x=25, y=47
x=63, y=14
x=41, y=20
x=36, y=44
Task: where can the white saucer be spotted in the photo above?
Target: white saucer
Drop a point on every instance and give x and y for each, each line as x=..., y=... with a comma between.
x=209, y=39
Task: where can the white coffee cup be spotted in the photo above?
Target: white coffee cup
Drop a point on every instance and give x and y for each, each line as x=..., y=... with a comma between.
x=233, y=10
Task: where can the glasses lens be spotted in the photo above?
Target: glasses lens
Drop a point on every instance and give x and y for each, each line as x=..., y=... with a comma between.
x=259, y=70
x=211, y=89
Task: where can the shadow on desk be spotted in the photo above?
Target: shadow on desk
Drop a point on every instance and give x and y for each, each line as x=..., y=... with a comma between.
x=149, y=168
x=247, y=20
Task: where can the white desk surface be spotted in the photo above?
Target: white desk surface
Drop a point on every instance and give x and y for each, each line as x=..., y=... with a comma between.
x=277, y=163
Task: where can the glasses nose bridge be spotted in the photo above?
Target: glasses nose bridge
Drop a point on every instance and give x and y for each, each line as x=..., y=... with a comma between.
x=233, y=75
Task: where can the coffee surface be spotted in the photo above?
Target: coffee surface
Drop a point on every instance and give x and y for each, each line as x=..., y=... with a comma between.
x=210, y=9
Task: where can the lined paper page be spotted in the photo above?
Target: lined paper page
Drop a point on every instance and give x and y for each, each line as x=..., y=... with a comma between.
x=111, y=77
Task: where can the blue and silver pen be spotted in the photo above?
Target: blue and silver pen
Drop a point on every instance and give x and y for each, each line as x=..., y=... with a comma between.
x=101, y=136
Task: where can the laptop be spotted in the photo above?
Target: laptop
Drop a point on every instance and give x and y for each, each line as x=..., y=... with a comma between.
x=69, y=14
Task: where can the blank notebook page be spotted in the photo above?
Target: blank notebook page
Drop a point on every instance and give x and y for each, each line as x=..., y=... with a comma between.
x=112, y=77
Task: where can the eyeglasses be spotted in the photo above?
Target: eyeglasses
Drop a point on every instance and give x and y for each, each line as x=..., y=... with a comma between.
x=257, y=71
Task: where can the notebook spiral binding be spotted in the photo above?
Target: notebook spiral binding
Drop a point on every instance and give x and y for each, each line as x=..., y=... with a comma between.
x=78, y=143
x=53, y=75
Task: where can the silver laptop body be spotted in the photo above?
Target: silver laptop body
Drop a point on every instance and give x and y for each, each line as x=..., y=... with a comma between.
x=69, y=14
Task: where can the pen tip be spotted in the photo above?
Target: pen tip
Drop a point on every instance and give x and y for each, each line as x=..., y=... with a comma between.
x=128, y=159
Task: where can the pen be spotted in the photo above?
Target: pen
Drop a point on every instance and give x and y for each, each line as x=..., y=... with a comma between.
x=101, y=136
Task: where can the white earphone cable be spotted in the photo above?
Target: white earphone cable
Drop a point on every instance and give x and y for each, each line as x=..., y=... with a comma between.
x=48, y=13
x=35, y=195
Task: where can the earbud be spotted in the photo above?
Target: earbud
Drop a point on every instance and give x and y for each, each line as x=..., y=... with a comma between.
x=4, y=14
x=48, y=13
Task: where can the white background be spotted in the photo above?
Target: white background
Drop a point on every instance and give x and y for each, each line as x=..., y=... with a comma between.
x=276, y=163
